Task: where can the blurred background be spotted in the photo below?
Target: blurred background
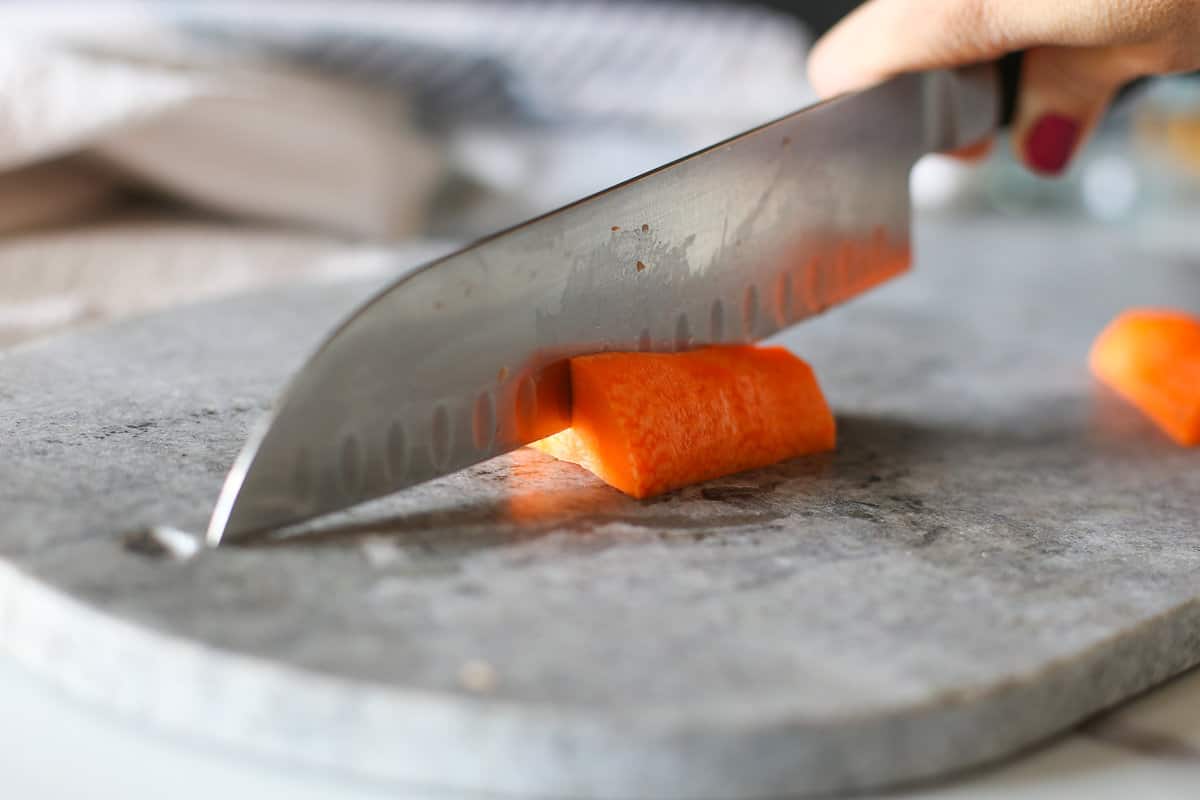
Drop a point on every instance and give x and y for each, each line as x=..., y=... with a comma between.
x=153, y=152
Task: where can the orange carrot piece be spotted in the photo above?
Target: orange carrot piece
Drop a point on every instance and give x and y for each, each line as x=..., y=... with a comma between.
x=1152, y=358
x=647, y=423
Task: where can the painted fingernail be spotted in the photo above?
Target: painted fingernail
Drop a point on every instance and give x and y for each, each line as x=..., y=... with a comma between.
x=1050, y=143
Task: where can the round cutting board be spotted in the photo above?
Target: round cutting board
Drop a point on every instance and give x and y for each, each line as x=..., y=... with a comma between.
x=998, y=549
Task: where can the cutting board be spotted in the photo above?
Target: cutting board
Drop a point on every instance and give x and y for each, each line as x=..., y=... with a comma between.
x=998, y=549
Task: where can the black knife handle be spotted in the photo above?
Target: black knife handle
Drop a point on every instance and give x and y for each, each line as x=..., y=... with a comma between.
x=1009, y=68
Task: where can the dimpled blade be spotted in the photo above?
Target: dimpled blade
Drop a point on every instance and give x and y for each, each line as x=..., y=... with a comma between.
x=464, y=359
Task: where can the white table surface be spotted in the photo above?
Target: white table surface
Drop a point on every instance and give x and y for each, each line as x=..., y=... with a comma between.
x=55, y=748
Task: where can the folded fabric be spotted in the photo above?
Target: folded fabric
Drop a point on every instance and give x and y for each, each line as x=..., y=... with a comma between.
x=243, y=139
x=343, y=116
x=155, y=152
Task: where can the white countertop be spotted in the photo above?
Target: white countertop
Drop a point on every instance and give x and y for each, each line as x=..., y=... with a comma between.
x=55, y=748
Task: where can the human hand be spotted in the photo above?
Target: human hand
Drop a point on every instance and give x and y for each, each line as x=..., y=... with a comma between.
x=1078, y=54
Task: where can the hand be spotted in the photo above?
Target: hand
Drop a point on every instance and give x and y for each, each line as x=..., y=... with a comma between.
x=1079, y=53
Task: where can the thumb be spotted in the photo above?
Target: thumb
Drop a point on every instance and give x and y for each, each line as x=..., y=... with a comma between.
x=1063, y=94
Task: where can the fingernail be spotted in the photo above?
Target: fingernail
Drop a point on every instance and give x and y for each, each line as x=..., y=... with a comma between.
x=1050, y=143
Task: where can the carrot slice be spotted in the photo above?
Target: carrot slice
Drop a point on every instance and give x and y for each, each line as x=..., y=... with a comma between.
x=647, y=423
x=1152, y=358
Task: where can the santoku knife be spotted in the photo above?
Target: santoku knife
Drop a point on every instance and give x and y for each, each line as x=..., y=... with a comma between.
x=463, y=359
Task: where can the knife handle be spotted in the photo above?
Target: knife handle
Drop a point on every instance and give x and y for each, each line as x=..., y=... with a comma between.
x=1009, y=68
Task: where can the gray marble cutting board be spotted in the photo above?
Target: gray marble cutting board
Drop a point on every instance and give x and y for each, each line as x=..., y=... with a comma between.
x=997, y=550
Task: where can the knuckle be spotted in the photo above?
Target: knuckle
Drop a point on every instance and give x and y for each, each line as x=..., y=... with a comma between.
x=1179, y=53
x=1165, y=56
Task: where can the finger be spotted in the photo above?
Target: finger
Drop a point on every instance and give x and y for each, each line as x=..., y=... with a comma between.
x=1063, y=94
x=883, y=38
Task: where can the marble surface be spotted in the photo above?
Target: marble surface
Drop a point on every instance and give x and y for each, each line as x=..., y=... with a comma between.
x=997, y=551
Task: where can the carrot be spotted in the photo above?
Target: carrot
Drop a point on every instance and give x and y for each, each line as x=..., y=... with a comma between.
x=647, y=423
x=1152, y=358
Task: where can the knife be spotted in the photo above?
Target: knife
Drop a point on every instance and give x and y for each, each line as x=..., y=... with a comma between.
x=464, y=358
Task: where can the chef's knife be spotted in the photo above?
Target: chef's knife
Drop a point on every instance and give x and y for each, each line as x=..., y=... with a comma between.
x=463, y=359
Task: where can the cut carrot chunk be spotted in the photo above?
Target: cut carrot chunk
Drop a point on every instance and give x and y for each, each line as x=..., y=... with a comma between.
x=647, y=423
x=1152, y=358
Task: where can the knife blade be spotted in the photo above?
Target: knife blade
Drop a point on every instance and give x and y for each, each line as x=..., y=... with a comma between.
x=464, y=359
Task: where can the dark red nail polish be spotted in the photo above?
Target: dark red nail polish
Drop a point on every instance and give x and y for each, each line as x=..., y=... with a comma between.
x=1050, y=143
